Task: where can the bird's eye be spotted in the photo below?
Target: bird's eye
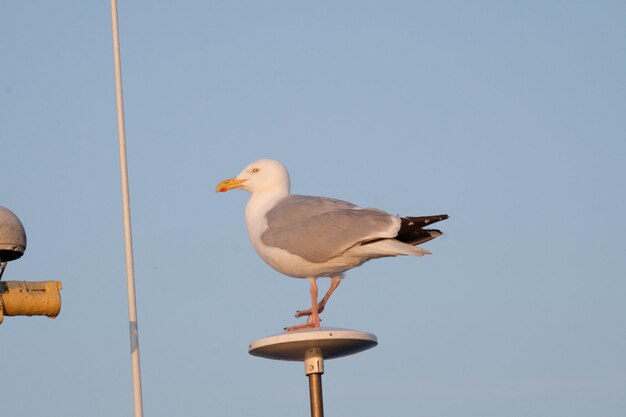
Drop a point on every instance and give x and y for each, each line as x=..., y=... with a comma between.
x=255, y=170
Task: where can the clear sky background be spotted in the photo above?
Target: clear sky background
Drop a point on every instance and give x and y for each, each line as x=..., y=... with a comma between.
x=509, y=116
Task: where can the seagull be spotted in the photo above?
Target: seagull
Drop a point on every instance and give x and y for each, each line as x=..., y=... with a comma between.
x=312, y=237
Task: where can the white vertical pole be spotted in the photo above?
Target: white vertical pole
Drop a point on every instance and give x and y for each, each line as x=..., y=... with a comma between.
x=130, y=274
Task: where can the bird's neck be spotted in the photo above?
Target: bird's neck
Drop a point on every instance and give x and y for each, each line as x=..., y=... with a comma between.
x=260, y=203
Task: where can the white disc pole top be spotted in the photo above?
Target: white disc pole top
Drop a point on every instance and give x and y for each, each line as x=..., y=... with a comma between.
x=292, y=346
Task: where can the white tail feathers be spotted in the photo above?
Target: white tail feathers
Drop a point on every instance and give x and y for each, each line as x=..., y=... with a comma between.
x=391, y=247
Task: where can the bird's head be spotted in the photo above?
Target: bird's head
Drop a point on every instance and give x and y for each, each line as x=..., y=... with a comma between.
x=261, y=175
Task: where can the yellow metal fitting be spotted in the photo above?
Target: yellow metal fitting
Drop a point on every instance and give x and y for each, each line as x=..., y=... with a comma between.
x=26, y=298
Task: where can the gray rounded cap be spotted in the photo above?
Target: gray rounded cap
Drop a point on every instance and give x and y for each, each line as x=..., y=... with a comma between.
x=12, y=236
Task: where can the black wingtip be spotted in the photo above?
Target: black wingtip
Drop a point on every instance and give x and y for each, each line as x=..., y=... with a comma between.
x=422, y=221
x=412, y=229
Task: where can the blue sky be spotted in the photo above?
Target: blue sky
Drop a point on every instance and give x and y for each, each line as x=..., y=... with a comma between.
x=507, y=116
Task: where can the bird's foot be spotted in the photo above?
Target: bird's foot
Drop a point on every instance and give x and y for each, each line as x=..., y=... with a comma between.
x=306, y=325
x=309, y=312
x=302, y=313
x=300, y=327
x=311, y=323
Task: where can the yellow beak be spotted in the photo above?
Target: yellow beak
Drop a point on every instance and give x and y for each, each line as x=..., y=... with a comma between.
x=229, y=184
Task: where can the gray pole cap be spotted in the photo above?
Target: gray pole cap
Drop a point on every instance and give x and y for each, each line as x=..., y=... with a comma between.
x=12, y=236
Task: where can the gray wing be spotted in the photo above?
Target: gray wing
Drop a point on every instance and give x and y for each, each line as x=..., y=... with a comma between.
x=319, y=228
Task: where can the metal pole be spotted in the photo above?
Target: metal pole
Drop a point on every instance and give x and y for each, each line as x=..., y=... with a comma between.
x=315, y=393
x=314, y=368
x=130, y=274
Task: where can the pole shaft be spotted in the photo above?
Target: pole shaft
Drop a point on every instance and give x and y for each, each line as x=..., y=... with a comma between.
x=315, y=393
x=130, y=274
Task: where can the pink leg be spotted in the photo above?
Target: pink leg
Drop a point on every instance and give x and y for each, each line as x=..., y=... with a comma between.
x=334, y=283
x=314, y=318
